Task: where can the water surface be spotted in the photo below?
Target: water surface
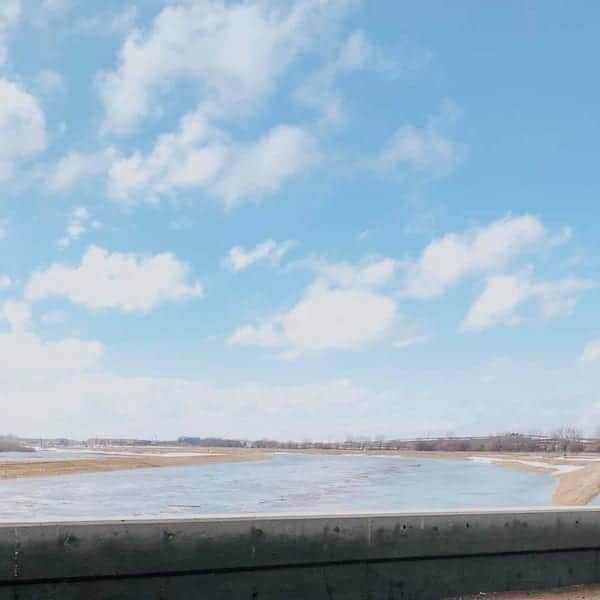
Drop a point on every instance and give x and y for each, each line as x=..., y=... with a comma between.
x=287, y=483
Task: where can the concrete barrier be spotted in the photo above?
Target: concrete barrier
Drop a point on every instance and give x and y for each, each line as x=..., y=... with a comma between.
x=347, y=557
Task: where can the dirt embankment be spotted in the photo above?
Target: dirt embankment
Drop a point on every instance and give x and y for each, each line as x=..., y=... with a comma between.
x=579, y=487
x=115, y=462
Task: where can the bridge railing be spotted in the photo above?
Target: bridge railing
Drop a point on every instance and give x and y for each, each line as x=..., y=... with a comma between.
x=428, y=555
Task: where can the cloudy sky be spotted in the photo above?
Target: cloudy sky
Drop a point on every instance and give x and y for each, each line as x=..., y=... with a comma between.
x=298, y=219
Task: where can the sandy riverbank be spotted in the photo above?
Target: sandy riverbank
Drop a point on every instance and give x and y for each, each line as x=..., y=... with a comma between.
x=116, y=459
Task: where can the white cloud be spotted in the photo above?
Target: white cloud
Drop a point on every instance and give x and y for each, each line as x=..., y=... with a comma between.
x=424, y=152
x=16, y=314
x=10, y=12
x=22, y=127
x=260, y=168
x=200, y=155
x=239, y=259
x=363, y=290
x=80, y=223
x=590, y=353
x=236, y=53
x=447, y=260
x=506, y=297
x=343, y=309
x=367, y=291
x=324, y=319
x=5, y=282
x=76, y=166
x=129, y=282
x=189, y=157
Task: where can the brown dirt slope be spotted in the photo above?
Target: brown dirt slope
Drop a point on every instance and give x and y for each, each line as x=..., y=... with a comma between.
x=14, y=470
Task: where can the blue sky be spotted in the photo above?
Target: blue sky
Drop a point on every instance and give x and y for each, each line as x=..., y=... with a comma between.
x=304, y=219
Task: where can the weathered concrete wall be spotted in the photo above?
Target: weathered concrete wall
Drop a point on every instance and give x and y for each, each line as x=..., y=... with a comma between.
x=355, y=557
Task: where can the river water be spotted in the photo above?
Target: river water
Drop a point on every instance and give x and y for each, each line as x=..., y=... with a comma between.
x=290, y=483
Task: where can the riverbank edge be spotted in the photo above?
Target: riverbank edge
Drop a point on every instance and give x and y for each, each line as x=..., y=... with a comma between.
x=574, y=488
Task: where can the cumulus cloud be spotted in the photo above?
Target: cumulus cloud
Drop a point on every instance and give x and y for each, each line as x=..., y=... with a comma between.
x=327, y=318
x=447, y=260
x=239, y=259
x=261, y=167
x=188, y=157
x=236, y=52
x=22, y=127
x=324, y=319
x=367, y=292
x=201, y=155
x=128, y=282
x=508, y=299
x=346, y=307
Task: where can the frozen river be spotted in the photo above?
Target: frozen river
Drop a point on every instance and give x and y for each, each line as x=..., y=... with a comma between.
x=291, y=483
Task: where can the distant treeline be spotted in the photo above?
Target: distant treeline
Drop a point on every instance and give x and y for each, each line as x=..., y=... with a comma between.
x=10, y=443
x=506, y=443
x=212, y=442
x=563, y=440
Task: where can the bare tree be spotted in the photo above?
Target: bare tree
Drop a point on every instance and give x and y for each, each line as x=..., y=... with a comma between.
x=567, y=438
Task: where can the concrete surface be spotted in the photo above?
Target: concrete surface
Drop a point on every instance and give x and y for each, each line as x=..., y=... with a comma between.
x=346, y=557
